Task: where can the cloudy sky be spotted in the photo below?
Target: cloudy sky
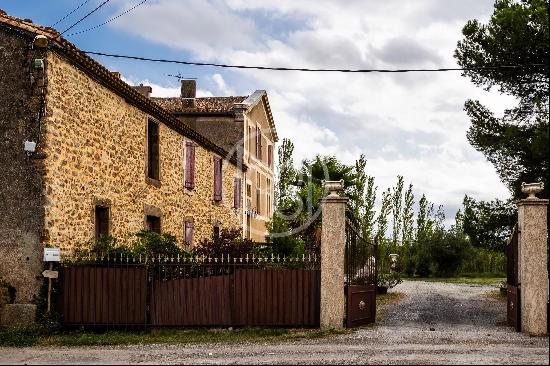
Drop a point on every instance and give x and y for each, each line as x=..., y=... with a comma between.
x=408, y=124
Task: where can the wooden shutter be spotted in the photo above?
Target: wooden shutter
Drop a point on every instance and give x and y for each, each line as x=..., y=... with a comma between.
x=269, y=155
x=217, y=179
x=190, y=165
x=237, y=193
x=258, y=143
x=189, y=233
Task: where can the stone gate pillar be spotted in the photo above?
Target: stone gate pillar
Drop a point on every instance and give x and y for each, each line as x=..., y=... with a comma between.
x=533, y=272
x=333, y=242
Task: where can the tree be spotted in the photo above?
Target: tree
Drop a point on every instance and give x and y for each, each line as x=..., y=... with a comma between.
x=517, y=143
x=408, y=232
x=357, y=199
x=287, y=173
x=382, y=220
x=424, y=222
x=488, y=224
x=369, y=221
x=397, y=203
x=408, y=217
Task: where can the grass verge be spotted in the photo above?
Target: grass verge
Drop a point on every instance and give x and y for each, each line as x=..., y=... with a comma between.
x=497, y=295
x=386, y=299
x=464, y=280
x=31, y=337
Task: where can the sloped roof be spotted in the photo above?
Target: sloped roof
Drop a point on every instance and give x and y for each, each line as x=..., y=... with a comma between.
x=25, y=28
x=202, y=105
x=253, y=100
x=220, y=105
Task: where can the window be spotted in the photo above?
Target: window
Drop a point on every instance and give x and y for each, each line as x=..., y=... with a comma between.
x=217, y=179
x=216, y=233
x=153, y=164
x=152, y=223
x=268, y=197
x=189, y=228
x=248, y=197
x=258, y=143
x=250, y=140
x=258, y=192
x=237, y=193
x=270, y=155
x=101, y=221
x=189, y=165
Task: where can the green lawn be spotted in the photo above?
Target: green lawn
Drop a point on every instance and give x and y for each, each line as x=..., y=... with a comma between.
x=33, y=336
x=466, y=280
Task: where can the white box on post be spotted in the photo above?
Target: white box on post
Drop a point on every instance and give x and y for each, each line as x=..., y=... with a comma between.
x=52, y=254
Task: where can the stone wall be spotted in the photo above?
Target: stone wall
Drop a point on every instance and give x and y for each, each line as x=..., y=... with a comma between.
x=97, y=149
x=21, y=210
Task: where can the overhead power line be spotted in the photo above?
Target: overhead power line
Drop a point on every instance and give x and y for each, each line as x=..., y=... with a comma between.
x=139, y=58
x=65, y=17
x=108, y=21
x=85, y=16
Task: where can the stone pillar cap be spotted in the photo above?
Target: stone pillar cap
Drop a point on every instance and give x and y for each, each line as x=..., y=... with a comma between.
x=532, y=189
x=333, y=186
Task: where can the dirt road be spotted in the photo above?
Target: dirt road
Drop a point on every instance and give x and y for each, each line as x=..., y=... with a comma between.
x=436, y=323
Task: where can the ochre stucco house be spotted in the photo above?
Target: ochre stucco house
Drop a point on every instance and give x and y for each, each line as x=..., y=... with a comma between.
x=240, y=124
x=101, y=157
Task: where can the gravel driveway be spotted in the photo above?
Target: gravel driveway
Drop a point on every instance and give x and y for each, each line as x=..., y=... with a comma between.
x=436, y=323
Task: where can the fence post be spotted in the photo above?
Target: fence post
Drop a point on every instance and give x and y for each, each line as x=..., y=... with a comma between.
x=333, y=241
x=533, y=273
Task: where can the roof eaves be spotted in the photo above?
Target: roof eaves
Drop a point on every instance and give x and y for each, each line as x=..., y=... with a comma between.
x=98, y=72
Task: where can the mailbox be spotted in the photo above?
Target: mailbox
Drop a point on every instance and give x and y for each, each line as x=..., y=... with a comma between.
x=52, y=254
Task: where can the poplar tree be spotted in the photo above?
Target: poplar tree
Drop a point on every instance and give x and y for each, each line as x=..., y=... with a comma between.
x=397, y=203
x=369, y=219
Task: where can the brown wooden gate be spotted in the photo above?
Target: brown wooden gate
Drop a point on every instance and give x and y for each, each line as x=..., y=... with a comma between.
x=513, y=308
x=361, y=273
x=104, y=296
x=246, y=297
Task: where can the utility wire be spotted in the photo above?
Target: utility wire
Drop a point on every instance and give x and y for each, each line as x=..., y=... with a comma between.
x=108, y=21
x=510, y=67
x=65, y=17
x=87, y=15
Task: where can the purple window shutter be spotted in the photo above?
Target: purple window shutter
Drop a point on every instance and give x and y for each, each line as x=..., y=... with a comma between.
x=237, y=193
x=217, y=179
x=190, y=165
x=189, y=233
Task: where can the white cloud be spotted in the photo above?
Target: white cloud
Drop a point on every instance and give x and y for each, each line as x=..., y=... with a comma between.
x=223, y=88
x=407, y=124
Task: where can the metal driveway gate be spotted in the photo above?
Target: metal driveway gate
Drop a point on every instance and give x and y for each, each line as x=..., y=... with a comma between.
x=360, y=265
x=513, y=286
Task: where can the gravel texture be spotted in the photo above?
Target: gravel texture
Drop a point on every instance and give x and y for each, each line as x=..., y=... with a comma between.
x=436, y=323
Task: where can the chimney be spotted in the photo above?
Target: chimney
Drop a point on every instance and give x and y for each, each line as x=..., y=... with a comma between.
x=143, y=89
x=116, y=74
x=188, y=93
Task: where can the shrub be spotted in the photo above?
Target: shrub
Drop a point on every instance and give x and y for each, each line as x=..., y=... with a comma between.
x=230, y=243
x=283, y=246
x=389, y=279
x=143, y=243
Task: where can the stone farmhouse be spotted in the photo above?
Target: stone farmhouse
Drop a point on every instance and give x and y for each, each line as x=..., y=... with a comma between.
x=84, y=154
x=239, y=124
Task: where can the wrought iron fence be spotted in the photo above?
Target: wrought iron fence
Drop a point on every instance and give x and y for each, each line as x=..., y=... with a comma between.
x=361, y=256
